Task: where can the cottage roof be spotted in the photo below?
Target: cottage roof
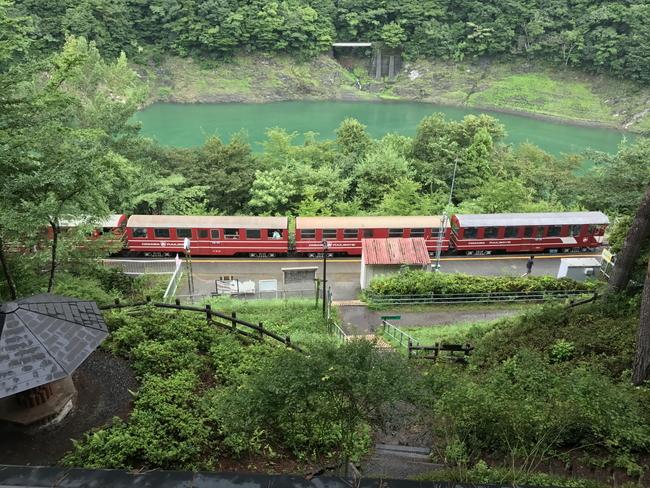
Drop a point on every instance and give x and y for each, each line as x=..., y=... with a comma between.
x=395, y=251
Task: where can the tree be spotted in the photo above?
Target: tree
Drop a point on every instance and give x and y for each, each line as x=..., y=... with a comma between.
x=636, y=236
x=377, y=174
x=641, y=367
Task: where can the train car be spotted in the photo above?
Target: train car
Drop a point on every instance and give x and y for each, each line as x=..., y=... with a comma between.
x=164, y=235
x=528, y=232
x=344, y=234
x=110, y=231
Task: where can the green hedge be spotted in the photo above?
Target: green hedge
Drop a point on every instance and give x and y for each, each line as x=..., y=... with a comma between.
x=422, y=282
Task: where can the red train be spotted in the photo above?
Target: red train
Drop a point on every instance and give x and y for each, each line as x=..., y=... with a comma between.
x=166, y=235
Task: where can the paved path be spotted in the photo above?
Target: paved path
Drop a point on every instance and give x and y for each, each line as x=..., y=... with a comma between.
x=360, y=320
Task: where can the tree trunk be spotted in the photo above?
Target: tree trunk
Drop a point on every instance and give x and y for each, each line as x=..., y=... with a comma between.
x=629, y=253
x=55, y=241
x=5, y=268
x=641, y=368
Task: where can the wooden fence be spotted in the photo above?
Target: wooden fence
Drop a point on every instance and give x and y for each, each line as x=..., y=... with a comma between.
x=210, y=315
x=465, y=349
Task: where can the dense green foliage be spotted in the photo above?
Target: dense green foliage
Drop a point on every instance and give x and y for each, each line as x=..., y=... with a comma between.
x=605, y=37
x=208, y=393
x=420, y=282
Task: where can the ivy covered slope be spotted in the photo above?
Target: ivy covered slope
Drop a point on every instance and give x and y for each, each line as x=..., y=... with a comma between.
x=212, y=399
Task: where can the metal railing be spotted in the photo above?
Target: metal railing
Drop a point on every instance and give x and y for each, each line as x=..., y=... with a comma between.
x=332, y=326
x=170, y=292
x=447, y=298
x=399, y=335
x=138, y=267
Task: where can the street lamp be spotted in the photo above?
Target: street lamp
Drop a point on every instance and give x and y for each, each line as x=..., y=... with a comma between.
x=445, y=215
x=325, y=246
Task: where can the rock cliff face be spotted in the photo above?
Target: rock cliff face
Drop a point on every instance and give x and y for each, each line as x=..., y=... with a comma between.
x=526, y=89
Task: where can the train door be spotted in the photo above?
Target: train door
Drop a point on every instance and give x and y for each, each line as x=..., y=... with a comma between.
x=532, y=239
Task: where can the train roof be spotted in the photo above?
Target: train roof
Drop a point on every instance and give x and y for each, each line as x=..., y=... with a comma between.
x=207, y=221
x=530, y=219
x=372, y=222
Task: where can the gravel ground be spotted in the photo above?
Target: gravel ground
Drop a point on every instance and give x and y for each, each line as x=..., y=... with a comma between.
x=103, y=383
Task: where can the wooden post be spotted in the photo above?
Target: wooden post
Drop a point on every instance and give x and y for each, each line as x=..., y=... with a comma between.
x=208, y=308
x=234, y=323
x=409, y=349
x=261, y=324
x=117, y=301
x=148, y=297
x=288, y=341
x=437, y=350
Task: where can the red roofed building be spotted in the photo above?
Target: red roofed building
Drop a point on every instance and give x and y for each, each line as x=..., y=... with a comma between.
x=387, y=256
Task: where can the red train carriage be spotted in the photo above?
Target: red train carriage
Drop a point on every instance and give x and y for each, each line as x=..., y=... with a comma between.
x=164, y=235
x=344, y=234
x=528, y=232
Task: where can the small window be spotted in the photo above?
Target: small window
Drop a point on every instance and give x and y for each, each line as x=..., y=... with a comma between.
x=528, y=231
x=574, y=230
x=231, y=233
x=592, y=229
x=139, y=233
x=161, y=233
x=203, y=234
x=368, y=233
x=308, y=234
x=253, y=234
x=470, y=233
x=435, y=233
x=540, y=232
x=511, y=232
x=417, y=233
x=350, y=233
x=329, y=233
x=274, y=234
x=491, y=233
x=395, y=232
x=214, y=234
x=554, y=231
x=454, y=225
x=182, y=233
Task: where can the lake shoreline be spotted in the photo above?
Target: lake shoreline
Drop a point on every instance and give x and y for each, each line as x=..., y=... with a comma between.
x=536, y=92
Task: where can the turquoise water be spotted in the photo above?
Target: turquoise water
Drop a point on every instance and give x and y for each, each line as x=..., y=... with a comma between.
x=185, y=125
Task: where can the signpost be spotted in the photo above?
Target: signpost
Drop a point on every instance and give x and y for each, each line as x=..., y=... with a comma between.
x=392, y=317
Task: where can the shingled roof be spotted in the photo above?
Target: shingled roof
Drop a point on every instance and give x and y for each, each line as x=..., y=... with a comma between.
x=395, y=251
x=44, y=338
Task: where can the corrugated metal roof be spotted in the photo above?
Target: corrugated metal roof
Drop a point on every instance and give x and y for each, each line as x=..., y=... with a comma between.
x=199, y=221
x=395, y=251
x=408, y=222
x=523, y=219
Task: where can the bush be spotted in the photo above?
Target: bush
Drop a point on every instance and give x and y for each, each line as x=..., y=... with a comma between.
x=421, y=282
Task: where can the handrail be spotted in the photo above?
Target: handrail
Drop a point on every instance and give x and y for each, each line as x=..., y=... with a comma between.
x=210, y=313
x=387, y=327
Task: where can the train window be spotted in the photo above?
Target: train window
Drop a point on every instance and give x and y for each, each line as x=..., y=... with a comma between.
x=528, y=231
x=161, y=233
x=491, y=233
x=511, y=232
x=554, y=231
x=329, y=233
x=594, y=229
x=231, y=233
x=395, y=232
x=435, y=233
x=540, y=232
x=183, y=233
x=470, y=233
x=308, y=234
x=368, y=233
x=574, y=230
x=417, y=232
x=139, y=233
x=203, y=234
x=253, y=234
x=274, y=234
x=350, y=233
x=214, y=234
x=454, y=225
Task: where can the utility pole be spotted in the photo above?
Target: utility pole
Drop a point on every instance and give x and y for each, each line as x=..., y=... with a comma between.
x=325, y=247
x=445, y=215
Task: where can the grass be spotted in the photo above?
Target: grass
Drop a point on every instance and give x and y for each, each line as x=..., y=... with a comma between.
x=454, y=308
x=538, y=93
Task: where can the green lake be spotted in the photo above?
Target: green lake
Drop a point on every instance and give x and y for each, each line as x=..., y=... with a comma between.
x=185, y=125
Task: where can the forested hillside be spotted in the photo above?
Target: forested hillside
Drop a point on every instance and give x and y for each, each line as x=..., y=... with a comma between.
x=598, y=36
